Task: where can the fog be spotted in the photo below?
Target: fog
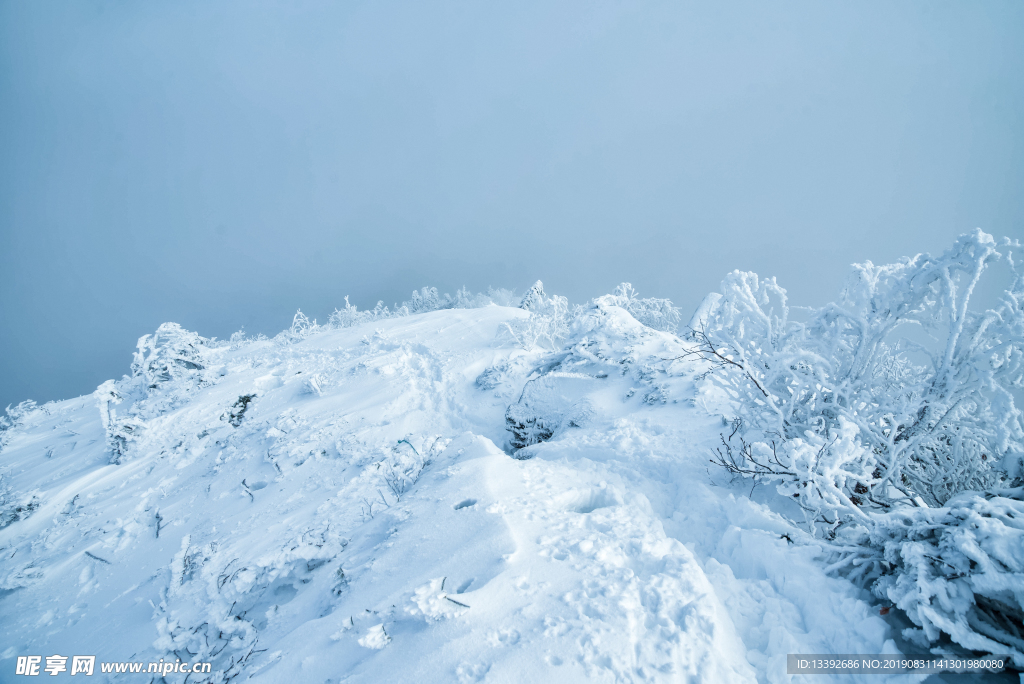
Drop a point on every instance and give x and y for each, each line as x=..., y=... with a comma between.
x=224, y=164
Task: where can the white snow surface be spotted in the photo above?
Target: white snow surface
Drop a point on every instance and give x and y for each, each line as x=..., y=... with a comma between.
x=364, y=522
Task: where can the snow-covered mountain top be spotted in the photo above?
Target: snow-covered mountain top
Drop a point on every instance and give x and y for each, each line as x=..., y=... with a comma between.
x=342, y=505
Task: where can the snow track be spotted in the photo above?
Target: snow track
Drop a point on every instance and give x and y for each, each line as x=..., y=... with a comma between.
x=363, y=521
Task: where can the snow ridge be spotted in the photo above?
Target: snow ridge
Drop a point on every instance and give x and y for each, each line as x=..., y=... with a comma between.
x=339, y=504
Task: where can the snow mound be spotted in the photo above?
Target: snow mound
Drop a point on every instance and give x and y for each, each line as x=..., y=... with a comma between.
x=340, y=504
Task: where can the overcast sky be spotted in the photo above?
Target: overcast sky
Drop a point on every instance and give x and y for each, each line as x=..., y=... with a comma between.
x=221, y=164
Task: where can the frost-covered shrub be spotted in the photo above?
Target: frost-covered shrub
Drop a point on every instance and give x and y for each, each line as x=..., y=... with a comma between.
x=546, y=326
x=12, y=418
x=300, y=328
x=851, y=415
x=818, y=472
x=658, y=314
x=15, y=416
x=215, y=609
x=557, y=388
x=499, y=296
x=351, y=315
x=550, y=317
x=236, y=413
x=315, y=384
x=401, y=468
x=122, y=431
x=15, y=507
x=549, y=404
x=505, y=375
x=424, y=300
x=122, y=434
x=529, y=427
x=172, y=355
x=956, y=570
x=168, y=368
x=238, y=339
x=428, y=299
x=535, y=331
x=886, y=441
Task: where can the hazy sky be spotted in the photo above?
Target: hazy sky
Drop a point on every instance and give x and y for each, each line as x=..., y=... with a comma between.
x=221, y=164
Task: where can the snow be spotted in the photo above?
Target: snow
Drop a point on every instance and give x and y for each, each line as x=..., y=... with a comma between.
x=364, y=521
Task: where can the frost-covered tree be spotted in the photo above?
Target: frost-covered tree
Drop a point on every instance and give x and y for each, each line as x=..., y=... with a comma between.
x=534, y=299
x=848, y=413
x=427, y=299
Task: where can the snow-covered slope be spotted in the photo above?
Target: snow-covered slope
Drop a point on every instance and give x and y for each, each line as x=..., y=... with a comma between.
x=342, y=506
